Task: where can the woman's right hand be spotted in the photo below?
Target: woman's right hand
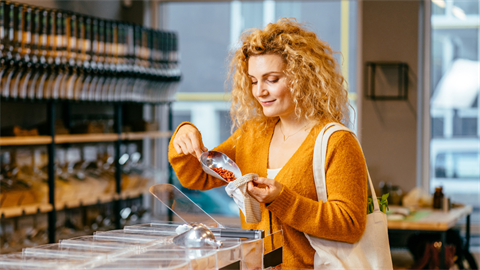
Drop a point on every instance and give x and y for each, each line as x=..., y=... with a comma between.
x=188, y=140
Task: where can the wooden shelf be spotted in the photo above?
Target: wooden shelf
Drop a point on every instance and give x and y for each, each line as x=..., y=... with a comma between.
x=8, y=212
x=25, y=210
x=83, y=138
x=132, y=136
x=105, y=198
x=25, y=140
x=131, y=194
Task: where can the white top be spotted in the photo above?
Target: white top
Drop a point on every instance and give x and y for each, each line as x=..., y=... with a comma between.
x=271, y=173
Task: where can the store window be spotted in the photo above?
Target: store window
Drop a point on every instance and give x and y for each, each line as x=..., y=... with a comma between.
x=454, y=103
x=208, y=31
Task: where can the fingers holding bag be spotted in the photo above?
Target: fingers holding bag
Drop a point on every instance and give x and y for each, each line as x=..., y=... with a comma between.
x=264, y=190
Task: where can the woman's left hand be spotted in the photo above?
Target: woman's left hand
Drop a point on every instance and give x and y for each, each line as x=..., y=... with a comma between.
x=264, y=190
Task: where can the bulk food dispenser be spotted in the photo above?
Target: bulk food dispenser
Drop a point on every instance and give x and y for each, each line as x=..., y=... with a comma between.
x=197, y=242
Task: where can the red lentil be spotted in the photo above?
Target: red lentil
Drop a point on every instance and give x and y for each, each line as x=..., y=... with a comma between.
x=225, y=174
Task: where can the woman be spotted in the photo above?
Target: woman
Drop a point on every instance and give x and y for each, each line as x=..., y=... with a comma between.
x=286, y=88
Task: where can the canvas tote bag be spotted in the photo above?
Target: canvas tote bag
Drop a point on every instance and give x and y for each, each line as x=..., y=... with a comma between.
x=372, y=251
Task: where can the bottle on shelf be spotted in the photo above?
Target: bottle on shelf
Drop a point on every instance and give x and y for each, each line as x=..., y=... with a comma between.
x=86, y=48
x=52, y=60
x=122, y=75
x=116, y=88
x=15, y=15
x=35, y=68
x=99, y=59
x=68, y=83
x=24, y=62
x=57, y=68
x=80, y=34
x=39, y=79
x=7, y=9
x=93, y=60
x=3, y=39
x=107, y=63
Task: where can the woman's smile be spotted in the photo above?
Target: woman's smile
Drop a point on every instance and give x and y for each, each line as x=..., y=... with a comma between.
x=269, y=85
x=267, y=103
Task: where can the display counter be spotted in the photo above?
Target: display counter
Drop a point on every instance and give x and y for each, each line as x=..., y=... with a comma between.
x=157, y=245
x=132, y=249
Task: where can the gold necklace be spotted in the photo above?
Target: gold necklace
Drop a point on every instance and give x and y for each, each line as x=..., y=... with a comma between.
x=286, y=137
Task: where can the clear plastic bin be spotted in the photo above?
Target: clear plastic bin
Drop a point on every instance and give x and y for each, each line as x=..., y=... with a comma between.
x=126, y=236
x=229, y=253
x=273, y=250
x=170, y=228
x=201, y=258
x=77, y=252
x=158, y=255
x=252, y=254
x=154, y=228
x=251, y=250
x=90, y=241
x=150, y=264
x=23, y=261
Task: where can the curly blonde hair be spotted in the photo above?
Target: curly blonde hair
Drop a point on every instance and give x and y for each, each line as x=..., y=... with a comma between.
x=312, y=73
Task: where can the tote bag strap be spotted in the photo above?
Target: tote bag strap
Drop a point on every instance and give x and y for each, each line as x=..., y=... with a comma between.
x=319, y=157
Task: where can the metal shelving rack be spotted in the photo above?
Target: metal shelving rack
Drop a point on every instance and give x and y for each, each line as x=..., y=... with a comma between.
x=53, y=140
x=134, y=64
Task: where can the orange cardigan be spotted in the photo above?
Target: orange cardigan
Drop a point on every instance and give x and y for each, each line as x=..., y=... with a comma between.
x=296, y=210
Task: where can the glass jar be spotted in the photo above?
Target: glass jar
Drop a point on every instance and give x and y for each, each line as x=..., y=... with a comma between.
x=438, y=198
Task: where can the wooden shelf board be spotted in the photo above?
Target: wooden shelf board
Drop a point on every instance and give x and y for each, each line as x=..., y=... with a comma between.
x=25, y=140
x=25, y=210
x=16, y=211
x=147, y=134
x=131, y=193
x=100, y=199
x=82, y=138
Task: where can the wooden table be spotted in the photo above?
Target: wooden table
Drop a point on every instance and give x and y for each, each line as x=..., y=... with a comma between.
x=436, y=221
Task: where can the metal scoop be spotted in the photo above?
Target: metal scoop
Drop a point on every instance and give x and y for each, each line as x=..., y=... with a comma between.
x=215, y=159
x=198, y=236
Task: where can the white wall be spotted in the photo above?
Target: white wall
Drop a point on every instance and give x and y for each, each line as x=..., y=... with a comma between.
x=389, y=132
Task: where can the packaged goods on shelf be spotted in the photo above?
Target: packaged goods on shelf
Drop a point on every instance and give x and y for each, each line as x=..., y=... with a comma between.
x=139, y=126
x=12, y=197
x=19, y=131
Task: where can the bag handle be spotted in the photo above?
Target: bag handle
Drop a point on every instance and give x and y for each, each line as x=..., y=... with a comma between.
x=319, y=157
